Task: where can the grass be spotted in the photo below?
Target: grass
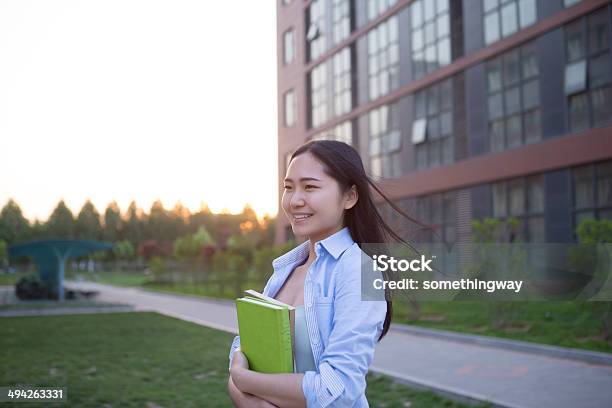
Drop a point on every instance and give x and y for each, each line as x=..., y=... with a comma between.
x=8, y=279
x=142, y=359
x=53, y=304
x=565, y=324
x=127, y=279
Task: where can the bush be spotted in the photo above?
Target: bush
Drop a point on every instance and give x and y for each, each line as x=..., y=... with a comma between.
x=31, y=287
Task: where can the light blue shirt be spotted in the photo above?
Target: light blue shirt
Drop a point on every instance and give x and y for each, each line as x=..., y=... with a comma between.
x=343, y=329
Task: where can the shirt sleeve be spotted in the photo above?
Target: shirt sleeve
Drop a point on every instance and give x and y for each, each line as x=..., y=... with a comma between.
x=235, y=345
x=356, y=326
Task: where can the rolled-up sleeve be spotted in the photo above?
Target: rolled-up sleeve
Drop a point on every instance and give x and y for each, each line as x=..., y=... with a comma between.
x=344, y=363
x=235, y=345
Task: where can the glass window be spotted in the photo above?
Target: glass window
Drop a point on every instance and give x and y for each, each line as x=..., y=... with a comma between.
x=509, y=19
x=569, y=3
x=531, y=120
x=535, y=194
x=508, y=15
x=588, y=71
x=513, y=98
x=430, y=31
x=583, y=187
x=383, y=58
x=499, y=200
x=342, y=87
x=574, y=41
x=419, y=127
x=496, y=135
x=528, y=12
x=341, y=20
x=599, y=70
x=579, y=112
x=529, y=62
x=601, y=101
x=604, y=184
x=592, y=191
x=514, y=131
x=598, y=31
x=318, y=95
x=432, y=126
x=342, y=132
x=288, y=47
x=377, y=7
x=496, y=108
x=516, y=192
x=491, y=27
x=531, y=94
x=290, y=108
x=535, y=229
x=385, y=141
x=523, y=199
x=315, y=34
x=575, y=77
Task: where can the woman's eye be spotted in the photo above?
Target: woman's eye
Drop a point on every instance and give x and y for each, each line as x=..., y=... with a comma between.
x=310, y=185
x=287, y=187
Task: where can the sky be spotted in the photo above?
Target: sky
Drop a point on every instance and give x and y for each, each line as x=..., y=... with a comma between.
x=138, y=100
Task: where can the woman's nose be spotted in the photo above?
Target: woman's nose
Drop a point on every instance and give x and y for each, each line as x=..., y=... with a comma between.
x=297, y=200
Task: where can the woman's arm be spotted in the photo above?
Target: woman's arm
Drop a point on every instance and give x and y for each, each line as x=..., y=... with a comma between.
x=283, y=390
x=244, y=400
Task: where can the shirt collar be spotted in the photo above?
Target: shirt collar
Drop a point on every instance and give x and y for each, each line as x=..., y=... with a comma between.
x=335, y=244
x=338, y=242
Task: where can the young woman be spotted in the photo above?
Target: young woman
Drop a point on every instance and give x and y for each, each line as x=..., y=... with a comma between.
x=327, y=199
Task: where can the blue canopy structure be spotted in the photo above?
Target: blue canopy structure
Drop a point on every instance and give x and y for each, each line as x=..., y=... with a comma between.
x=50, y=257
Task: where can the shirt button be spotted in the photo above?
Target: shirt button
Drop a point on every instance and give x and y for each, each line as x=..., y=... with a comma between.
x=309, y=304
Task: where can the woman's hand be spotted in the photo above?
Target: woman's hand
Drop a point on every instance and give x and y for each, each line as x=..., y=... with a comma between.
x=246, y=400
x=239, y=360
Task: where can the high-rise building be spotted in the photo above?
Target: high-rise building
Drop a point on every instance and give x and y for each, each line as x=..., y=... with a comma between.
x=460, y=109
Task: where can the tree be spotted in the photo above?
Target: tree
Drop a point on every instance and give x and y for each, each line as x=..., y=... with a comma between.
x=124, y=251
x=593, y=232
x=60, y=224
x=87, y=225
x=3, y=253
x=13, y=225
x=133, y=225
x=158, y=223
x=112, y=223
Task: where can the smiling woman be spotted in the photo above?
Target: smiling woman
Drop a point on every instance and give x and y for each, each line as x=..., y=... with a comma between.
x=327, y=199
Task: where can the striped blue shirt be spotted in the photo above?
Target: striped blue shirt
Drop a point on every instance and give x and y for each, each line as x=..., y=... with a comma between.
x=343, y=330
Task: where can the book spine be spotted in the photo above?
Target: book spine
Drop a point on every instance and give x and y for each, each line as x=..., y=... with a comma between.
x=286, y=340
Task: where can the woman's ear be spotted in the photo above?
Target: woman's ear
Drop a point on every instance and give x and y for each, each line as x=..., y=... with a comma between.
x=351, y=197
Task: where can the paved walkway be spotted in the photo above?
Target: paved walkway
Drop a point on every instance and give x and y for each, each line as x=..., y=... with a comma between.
x=472, y=372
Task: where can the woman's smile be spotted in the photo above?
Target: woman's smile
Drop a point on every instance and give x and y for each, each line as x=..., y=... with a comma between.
x=300, y=218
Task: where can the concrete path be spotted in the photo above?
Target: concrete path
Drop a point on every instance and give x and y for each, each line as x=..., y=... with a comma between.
x=458, y=369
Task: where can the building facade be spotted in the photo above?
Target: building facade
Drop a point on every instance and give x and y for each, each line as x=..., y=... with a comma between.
x=460, y=109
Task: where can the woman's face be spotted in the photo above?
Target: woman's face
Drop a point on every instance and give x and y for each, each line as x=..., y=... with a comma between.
x=312, y=200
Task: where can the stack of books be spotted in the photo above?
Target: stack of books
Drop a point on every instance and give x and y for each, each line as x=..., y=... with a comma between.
x=266, y=328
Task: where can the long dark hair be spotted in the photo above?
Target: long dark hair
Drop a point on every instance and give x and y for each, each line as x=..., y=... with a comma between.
x=366, y=225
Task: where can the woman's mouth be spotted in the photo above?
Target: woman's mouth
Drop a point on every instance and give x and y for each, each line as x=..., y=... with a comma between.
x=299, y=218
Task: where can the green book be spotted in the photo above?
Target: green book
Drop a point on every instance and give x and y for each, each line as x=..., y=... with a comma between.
x=266, y=328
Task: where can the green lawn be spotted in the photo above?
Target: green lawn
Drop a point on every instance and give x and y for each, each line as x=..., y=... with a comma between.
x=7, y=279
x=128, y=279
x=566, y=324
x=139, y=360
